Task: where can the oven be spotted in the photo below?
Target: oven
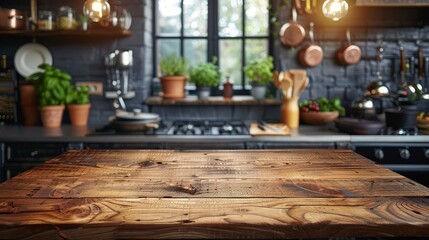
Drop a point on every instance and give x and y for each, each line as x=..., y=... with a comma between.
x=410, y=159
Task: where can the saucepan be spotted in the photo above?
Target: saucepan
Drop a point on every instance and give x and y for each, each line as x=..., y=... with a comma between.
x=12, y=19
x=134, y=121
x=311, y=54
x=292, y=33
x=349, y=53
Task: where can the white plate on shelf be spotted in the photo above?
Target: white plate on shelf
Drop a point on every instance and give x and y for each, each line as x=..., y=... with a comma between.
x=29, y=56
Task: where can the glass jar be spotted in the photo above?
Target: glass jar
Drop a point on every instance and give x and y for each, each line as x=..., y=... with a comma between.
x=66, y=18
x=46, y=20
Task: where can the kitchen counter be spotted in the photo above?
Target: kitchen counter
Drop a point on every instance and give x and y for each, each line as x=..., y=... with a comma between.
x=258, y=194
x=305, y=133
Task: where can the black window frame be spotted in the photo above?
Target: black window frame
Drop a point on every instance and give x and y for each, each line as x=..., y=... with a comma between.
x=213, y=38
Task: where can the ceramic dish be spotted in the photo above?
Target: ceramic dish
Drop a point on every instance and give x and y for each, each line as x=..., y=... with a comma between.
x=29, y=56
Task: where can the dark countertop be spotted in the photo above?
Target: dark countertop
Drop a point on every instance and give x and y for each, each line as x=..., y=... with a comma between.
x=305, y=133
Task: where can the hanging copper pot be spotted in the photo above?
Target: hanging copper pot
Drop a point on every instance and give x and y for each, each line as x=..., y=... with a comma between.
x=349, y=53
x=311, y=54
x=292, y=33
x=12, y=19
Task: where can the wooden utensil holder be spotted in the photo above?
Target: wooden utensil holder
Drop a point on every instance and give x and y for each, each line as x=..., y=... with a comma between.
x=290, y=112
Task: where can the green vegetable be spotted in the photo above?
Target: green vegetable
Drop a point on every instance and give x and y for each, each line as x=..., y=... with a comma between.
x=322, y=104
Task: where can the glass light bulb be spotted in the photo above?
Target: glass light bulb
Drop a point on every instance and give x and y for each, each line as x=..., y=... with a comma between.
x=335, y=9
x=96, y=10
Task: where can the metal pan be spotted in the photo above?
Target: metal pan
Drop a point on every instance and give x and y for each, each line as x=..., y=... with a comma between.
x=292, y=33
x=311, y=54
x=134, y=126
x=349, y=53
x=358, y=126
x=12, y=19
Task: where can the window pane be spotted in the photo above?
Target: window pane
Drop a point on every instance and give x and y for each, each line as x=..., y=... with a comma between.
x=256, y=17
x=256, y=48
x=230, y=59
x=230, y=18
x=169, y=17
x=195, y=51
x=195, y=14
x=166, y=47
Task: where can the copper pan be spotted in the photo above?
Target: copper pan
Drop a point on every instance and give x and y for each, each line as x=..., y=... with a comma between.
x=12, y=19
x=311, y=54
x=292, y=33
x=349, y=53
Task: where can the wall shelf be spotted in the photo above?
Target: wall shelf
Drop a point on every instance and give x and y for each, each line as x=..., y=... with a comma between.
x=77, y=33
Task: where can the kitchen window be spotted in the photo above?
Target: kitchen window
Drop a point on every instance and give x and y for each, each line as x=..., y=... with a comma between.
x=232, y=31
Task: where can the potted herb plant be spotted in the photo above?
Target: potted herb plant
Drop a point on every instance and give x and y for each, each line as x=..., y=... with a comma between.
x=51, y=86
x=173, y=79
x=260, y=74
x=78, y=105
x=205, y=76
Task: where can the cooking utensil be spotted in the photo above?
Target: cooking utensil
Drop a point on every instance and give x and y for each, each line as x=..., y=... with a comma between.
x=298, y=6
x=311, y=54
x=378, y=88
x=358, y=126
x=299, y=77
x=135, y=115
x=292, y=33
x=349, y=53
x=363, y=108
x=308, y=9
x=12, y=19
x=401, y=118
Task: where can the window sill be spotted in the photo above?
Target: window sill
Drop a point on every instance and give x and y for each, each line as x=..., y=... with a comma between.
x=211, y=101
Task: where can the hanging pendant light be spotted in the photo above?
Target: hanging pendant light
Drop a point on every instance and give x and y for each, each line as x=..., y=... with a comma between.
x=96, y=10
x=335, y=9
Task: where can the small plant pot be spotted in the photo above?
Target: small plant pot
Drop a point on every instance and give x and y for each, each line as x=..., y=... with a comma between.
x=203, y=92
x=52, y=116
x=258, y=91
x=78, y=114
x=173, y=87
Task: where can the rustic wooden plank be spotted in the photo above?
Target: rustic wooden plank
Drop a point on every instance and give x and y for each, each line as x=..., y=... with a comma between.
x=265, y=218
x=340, y=164
x=208, y=188
x=147, y=194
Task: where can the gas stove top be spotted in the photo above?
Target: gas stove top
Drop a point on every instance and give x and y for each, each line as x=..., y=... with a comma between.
x=185, y=128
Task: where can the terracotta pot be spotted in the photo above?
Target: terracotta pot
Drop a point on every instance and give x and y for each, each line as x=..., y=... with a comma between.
x=28, y=102
x=173, y=87
x=52, y=116
x=78, y=114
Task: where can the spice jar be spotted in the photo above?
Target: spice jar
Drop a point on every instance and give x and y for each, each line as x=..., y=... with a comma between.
x=228, y=90
x=66, y=18
x=46, y=20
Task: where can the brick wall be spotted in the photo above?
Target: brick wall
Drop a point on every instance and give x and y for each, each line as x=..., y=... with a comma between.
x=83, y=57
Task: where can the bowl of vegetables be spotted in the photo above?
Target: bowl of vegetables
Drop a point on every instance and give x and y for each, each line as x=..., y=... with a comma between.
x=321, y=111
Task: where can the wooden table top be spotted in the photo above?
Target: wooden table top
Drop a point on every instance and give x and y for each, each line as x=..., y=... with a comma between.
x=147, y=194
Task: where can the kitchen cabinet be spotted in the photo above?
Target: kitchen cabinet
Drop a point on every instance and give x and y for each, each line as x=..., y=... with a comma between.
x=20, y=157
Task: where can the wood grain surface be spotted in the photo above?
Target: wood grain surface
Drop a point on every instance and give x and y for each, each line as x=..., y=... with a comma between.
x=259, y=194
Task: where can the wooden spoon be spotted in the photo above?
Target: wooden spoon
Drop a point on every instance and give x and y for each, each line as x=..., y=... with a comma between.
x=299, y=78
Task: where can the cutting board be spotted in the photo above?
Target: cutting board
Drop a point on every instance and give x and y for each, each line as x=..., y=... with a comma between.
x=255, y=131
